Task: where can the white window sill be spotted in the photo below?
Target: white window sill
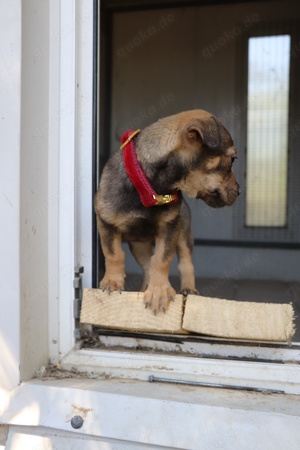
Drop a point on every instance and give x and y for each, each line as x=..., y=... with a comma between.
x=143, y=413
x=140, y=365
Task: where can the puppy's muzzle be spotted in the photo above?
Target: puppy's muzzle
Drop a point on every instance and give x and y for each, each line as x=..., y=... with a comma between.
x=217, y=198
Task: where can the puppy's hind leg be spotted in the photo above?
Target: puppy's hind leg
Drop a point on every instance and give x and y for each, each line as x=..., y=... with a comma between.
x=185, y=264
x=142, y=251
x=184, y=251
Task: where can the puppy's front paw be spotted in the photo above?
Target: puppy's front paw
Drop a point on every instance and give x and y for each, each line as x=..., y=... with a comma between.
x=110, y=285
x=158, y=296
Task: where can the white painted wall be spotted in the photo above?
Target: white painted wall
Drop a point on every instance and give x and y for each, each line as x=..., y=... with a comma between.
x=38, y=130
x=10, y=121
x=34, y=186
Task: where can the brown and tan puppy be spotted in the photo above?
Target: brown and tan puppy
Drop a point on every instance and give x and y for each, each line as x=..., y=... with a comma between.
x=190, y=152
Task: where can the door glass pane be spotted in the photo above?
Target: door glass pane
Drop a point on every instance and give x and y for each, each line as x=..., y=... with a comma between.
x=267, y=131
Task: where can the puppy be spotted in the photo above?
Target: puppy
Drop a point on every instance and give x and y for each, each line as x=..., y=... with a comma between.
x=140, y=199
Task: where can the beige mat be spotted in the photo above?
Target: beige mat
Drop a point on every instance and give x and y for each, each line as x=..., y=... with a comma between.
x=239, y=320
x=203, y=315
x=126, y=311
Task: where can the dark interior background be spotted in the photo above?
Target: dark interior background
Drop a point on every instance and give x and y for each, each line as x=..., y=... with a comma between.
x=160, y=58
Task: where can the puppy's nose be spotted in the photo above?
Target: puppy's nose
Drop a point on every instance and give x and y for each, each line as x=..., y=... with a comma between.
x=238, y=189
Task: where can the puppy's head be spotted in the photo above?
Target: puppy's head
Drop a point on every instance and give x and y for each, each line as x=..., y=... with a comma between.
x=206, y=151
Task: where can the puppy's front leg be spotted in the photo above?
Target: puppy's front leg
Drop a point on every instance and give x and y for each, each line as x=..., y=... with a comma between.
x=111, y=243
x=159, y=291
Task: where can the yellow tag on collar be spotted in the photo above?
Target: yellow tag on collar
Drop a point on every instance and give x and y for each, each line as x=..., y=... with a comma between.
x=164, y=199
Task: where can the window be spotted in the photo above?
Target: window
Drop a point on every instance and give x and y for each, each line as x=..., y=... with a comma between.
x=193, y=345
x=267, y=126
x=132, y=355
x=267, y=86
x=257, y=218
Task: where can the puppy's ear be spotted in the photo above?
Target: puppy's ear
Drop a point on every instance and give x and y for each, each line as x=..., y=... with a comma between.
x=207, y=130
x=211, y=132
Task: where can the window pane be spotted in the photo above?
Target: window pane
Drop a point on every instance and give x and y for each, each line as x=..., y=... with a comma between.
x=267, y=130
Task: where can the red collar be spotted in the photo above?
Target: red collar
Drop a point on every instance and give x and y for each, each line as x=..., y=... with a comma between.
x=137, y=176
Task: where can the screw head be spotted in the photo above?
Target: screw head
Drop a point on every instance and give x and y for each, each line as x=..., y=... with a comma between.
x=77, y=422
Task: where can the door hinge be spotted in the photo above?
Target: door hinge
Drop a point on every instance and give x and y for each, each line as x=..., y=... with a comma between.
x=77, y=284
